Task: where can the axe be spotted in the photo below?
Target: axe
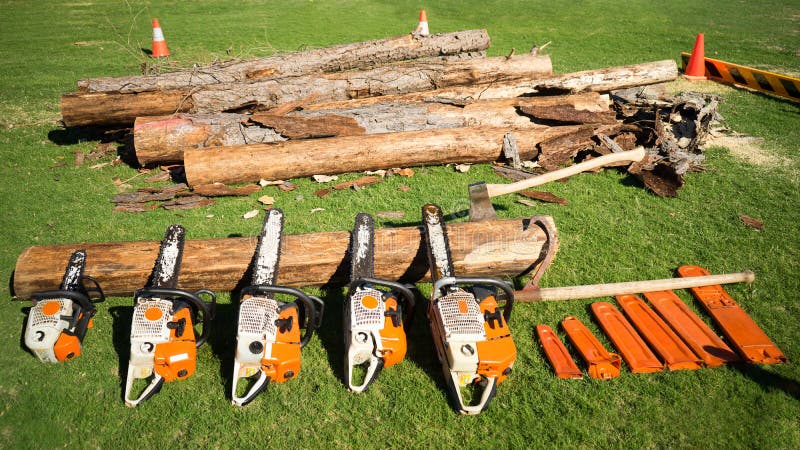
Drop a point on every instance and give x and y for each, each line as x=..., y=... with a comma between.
x=480, y=193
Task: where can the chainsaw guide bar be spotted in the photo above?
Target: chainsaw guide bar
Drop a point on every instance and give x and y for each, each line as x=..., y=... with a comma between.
x=742, y=332
x=634, y=350
x=563, y=364
x=601, y=364
x=697, y=335
x=675, y=353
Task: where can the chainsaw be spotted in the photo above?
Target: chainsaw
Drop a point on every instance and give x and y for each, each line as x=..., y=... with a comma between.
x=268, y=339
x=374, y=329
x=59, y=319
x=164, y=341
x=469, y=327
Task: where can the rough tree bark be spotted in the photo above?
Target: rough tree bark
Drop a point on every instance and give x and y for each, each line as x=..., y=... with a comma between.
x=329, y=59
x=294, y=159
x=163, y=139
x=493, y=248
x=122, y=109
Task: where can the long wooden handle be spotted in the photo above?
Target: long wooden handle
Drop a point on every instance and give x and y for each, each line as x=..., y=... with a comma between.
x=630, y=155
x=630, y=287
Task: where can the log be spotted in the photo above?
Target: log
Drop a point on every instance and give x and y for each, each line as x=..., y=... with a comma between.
x=494, y=248
x=329, y=59
x=163, y=139
x=111, y=108
x=294, y=159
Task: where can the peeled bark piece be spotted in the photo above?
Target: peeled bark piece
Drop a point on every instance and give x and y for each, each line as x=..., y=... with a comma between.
x=220, y=190
x=306, y=128
x=295, y=159
x=165, y=138
x=116, y=108
x=328, y=59
x=493, y=248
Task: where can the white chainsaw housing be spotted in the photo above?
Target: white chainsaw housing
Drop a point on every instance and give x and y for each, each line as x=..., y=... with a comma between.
x=460, y=324
x=146, y=334
x=257, y=316
x=43, y=330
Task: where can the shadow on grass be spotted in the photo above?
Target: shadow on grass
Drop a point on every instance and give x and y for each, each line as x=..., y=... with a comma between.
x=76, y=135
x=121, y=337
x=222, y=340
x=331, y=332
x=768, y=380
x=26, y=310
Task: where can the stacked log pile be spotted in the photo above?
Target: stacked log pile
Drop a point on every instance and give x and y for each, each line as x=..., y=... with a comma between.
x=398, y=102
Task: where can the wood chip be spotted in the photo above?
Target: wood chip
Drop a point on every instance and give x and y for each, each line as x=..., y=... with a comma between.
x=527, y=202
x=322, y=193
x=266, y=200
x=163, y=176
x=316, y=210
x=404, y=188
x=250, y=214
x=221, y=190
x=117, y=181
x=96, y=166
x=361, y=182
x=407, y=172
x=287, y=186
x=390, y=215
x=512, y=174
x=463, y=167
x=100, y=150
x=381, y=172
x=264, y=183
x=544, y=196
x=324, y=178
x=135, y=207
x=143, y=197
x=751, y=222
x=194, y=201
x=79, y=157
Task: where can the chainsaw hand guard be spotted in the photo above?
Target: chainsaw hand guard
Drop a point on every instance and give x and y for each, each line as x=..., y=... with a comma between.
x=268, y=337
x=376, y=322
x=59, y=319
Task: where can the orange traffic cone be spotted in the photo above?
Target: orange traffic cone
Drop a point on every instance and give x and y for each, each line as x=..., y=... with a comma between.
x=159, y=44
x=696, y=69
x=422, y=28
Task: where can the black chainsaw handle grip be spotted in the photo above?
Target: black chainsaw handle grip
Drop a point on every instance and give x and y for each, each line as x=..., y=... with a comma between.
x=208, y=308
x=405, y=294
x=313, y=306
x=472, y=281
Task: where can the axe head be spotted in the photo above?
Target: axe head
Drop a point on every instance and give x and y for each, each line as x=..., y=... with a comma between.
x=480, y=205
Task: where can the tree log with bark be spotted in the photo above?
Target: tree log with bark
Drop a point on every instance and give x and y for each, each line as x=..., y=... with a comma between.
x=107, y=108
x=163, y=139
x=496, y=248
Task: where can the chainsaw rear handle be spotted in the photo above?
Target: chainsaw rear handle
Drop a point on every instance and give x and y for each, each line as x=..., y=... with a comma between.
x=405, y=295
x=208, y=308
x=473, y=281
x=313, y=306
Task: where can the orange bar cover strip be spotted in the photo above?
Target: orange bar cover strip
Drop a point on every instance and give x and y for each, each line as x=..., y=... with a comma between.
x=742, y=332
x=702, y=340
x=675, y=353
x=563, y=364
x=601, y=363
x=634, y=350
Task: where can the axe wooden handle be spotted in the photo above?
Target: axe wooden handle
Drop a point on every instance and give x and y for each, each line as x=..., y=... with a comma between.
x=631, y=155
x=630, y=287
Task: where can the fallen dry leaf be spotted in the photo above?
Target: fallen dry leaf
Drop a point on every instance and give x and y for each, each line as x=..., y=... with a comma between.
x=361, y=182
x=264, y=183
x=79, y=157
x=324, y=178
x=315, y=210
x=117, y=181
x=322, y=193
x=390, y=215
x=751, y=222
x=463, y=167
x=266, y=200
x=97, y=166
x=526, y=202
x=250, y=214
x=404, y=188
x=80, y=43
x=544, y=196
x=405, y=172
x=287, y=186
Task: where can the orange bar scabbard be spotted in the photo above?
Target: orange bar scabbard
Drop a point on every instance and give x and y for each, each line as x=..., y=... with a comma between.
x=742, y=332
x=601, y=363
x=697, y=335
x=675, y=353
x=563, y=364
x=634, y=350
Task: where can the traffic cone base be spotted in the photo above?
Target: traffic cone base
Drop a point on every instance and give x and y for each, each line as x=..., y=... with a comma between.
x=696, y=69
x=422, y=27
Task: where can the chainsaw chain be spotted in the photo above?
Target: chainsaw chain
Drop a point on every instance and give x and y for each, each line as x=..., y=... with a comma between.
x=168, y=264
x=73, y=275
x=362, y=250
x=268, y=251
x=438, y=246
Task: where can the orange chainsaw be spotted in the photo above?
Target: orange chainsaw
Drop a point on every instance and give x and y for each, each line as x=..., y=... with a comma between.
x=268, y=339
x=59, y=319
x=164, y=341
x=373, y=319
x=469, y=327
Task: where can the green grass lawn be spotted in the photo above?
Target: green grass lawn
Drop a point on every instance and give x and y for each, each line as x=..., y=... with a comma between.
x=612, y=230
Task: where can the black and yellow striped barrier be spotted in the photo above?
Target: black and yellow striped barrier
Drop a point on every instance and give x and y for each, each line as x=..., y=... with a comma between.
x=759, y=80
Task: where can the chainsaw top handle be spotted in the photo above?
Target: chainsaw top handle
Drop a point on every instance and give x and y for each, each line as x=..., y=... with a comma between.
x=313, y=306
x=405, y=294
x=442, y=283
x=193, y=298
